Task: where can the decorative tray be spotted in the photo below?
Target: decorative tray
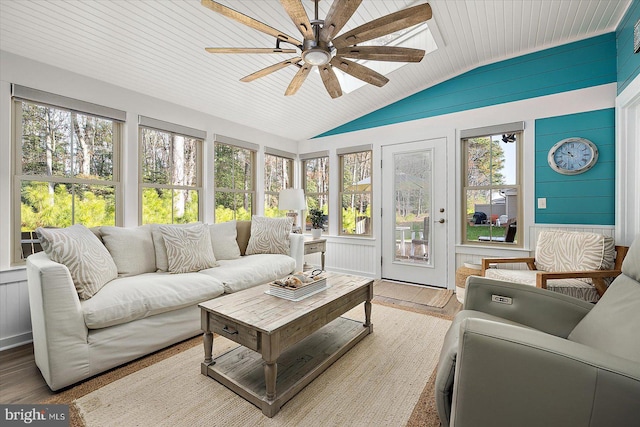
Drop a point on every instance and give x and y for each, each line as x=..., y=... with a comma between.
x=294, y=289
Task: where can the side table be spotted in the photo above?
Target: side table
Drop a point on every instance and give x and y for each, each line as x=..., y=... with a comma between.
x=313, y=246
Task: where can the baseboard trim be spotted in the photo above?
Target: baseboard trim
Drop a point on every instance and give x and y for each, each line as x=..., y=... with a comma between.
x=15, y=341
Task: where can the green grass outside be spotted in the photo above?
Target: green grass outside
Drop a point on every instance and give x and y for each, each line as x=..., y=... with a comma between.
x=473, y=232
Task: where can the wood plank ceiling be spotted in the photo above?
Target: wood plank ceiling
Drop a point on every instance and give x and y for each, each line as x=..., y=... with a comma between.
x=157, y=48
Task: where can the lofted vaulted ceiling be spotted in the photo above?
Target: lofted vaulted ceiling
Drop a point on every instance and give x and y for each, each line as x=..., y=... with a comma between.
x=156, y=47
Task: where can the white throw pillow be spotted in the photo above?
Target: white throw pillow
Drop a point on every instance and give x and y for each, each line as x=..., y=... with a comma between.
x=88, y=261
x=269, y=235
x=131, y=249
x=223, y=240
x=158, y=243
x=188, y=248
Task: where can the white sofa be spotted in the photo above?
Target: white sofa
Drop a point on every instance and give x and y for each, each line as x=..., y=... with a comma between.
x=133, y=315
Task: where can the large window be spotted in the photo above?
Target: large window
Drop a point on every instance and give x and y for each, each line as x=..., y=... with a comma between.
x=65, y=164
x=356, y=188
x=492, y=194
x=315, y=182
x=170, y=177
x=234, y=182
x=278, y=175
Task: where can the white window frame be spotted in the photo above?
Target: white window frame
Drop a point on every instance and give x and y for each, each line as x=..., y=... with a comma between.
x=305, y=158
x=173, y=130
x=346, y=192
x=20, y=95
x=243, y=145
x=516, y=128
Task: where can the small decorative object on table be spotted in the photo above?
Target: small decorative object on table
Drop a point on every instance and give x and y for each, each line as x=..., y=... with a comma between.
x=316, y=216
x=298, y=286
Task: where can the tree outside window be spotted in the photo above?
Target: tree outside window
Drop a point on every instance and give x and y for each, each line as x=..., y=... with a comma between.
x=356, y=193
x=492, y=189
x=278, y=175
x=315, y=182
x=170, y=178
x=65, y=167
x=234, y=182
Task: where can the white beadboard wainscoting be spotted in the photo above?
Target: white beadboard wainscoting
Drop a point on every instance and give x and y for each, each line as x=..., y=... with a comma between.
x=350, y=255
x=15, y=317
x=474, y=255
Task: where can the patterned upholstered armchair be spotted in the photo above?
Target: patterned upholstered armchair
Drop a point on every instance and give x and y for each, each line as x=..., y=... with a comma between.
x=577, y=264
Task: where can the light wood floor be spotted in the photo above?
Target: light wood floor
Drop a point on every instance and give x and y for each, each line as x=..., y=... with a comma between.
x=21, y=381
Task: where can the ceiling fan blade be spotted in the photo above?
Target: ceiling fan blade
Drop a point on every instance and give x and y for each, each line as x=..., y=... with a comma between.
x=270, y=69
x=250, y=22
x=247, y=50
x=338, y=15
x=361, y=72
x=330, y=80
x=382, y=53
x=299, y=17
x=298, y=79
x=385, y=25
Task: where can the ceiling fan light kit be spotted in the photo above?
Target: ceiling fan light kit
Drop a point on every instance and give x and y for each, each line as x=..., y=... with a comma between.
x=320, y=46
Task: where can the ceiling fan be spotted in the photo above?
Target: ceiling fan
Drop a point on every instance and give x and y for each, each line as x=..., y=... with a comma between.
x=322, y=47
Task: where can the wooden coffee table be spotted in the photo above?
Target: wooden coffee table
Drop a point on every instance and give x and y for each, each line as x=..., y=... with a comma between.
x=284, y=345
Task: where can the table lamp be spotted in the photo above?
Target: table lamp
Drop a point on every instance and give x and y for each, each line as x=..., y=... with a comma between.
x=292, y=199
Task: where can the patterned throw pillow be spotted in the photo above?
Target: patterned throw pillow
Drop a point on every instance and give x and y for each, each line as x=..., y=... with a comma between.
x=162, y=263
x=88, y=261
x=188, y=248
x=269, y=235
x=560, y=251
x=223, y=240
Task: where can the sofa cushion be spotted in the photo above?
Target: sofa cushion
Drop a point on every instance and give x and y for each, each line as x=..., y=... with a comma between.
x=158, y=244
x=130, y=298
x=244, y=233
x=251, y=270
x=223, y=240
x=572, y=287
x=560, y=251
x=188, y=248
x=269, y=235
x=131, y=249
x=87, y=259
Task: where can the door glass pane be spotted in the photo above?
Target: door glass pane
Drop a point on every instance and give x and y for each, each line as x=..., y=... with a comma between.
x=412, y=190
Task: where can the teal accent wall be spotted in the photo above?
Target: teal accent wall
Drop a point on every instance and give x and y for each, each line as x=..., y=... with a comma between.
x=628, y=62
x=577, y=65
x=587, y=198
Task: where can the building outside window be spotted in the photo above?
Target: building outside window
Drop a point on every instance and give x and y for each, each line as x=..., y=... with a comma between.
x=278, y=175
x=66, y=165
x=315, y=182
x=170, y=172
x=356, y=189
x=492, y=197
x=234, y=169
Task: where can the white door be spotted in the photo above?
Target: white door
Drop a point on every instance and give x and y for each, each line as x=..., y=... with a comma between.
x=414, y=216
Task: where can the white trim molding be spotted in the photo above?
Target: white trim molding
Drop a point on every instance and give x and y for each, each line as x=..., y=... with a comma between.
x=627, y=160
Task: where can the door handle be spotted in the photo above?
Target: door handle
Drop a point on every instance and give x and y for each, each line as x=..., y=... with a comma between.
x=441, y=220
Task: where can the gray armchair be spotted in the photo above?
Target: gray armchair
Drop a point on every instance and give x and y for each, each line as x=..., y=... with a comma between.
x=523, y=356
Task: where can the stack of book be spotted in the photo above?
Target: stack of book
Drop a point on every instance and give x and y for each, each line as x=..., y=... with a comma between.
x=297, y=291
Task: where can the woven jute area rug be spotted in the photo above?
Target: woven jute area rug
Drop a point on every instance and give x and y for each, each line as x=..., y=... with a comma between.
x=385, y=380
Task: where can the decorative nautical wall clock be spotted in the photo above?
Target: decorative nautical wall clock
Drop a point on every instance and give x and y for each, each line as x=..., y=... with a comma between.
x=572, y=156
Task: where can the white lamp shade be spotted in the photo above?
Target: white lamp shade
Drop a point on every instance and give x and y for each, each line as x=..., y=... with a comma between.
x=292, y=199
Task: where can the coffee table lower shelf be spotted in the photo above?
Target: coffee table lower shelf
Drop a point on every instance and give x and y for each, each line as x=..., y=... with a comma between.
x=242, y=370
